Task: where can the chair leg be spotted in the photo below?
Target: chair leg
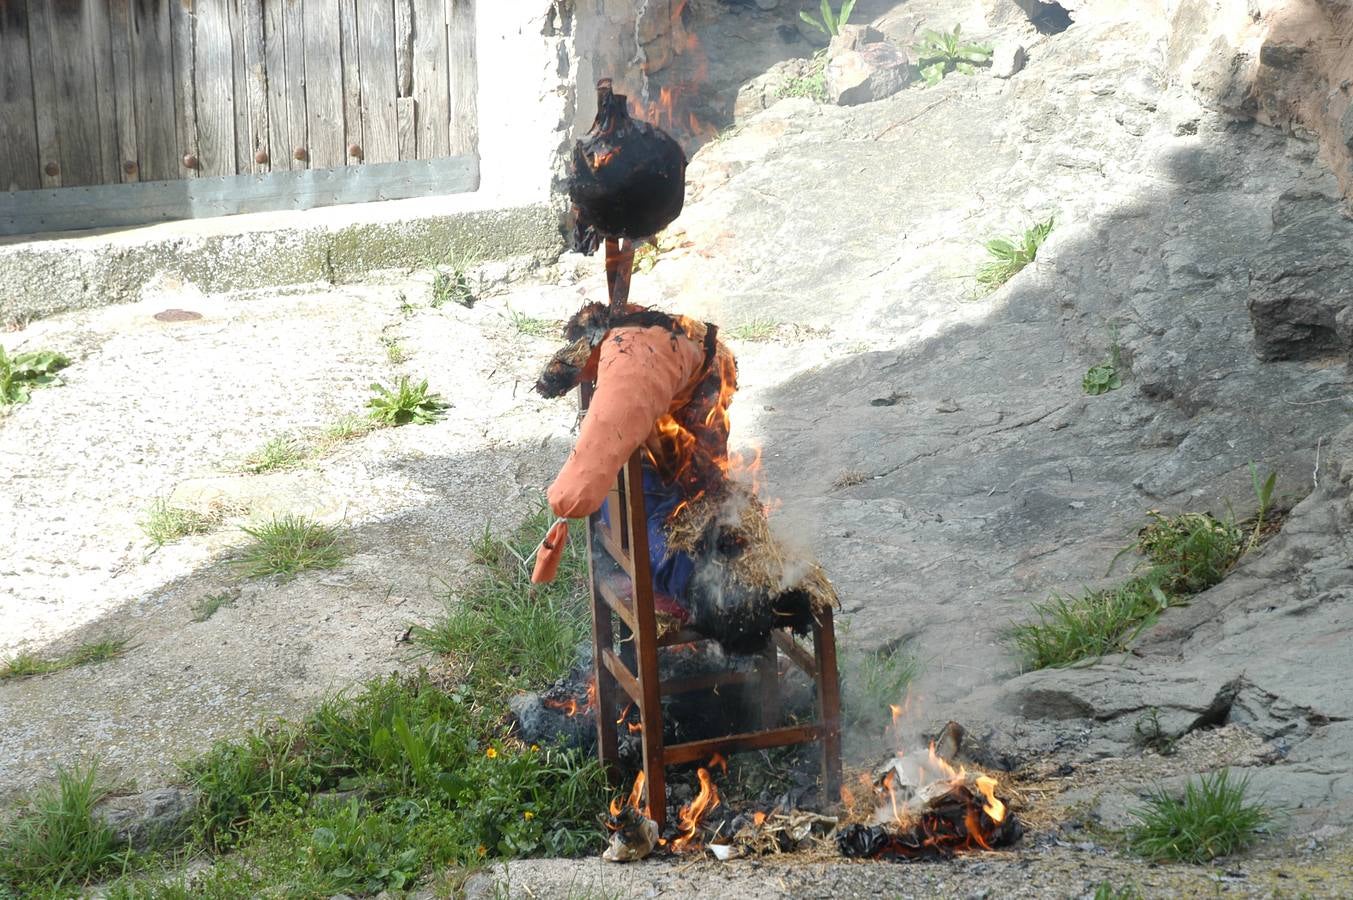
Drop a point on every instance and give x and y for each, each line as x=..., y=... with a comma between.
x=829, y=705
x=603, y=635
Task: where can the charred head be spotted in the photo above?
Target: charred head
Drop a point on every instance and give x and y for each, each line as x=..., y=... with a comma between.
x=627, y=178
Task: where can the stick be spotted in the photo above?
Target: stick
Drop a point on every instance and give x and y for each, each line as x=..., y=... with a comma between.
x=619, y=267
x=1315, y=473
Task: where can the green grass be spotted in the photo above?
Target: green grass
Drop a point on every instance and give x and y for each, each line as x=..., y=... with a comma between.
x=942, y=52
x=1106, y=891
x=278, y=454
x=26, y=665
x=533, y=327
x=394, y=350
x=22, y=372
x=165, y=524
x=830, y=21
x=346, y=428
x=452, y=287
x=405, y=404
x=290, y=544
x=208, y=606
x=54, y=845
x=1212, y=819
x=1184, y=555
x=529, y=632
x=811, y=84
x=871, y=682
x=1070, y=629
x=755, y=331
x=1010, y=256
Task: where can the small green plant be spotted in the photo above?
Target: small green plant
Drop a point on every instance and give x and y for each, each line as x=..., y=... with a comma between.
x=531, y=631
x=288, y=545
x=811, y=84
x=406, y=404
x=1070, y=629
x=1190, y=551
x=209, y=605
x=1009, y=257
x=165, y=524
x=830, y=23
x=278, y=454
x=394, y=350
x=451, y=282
x=1106, y=891
x=1213, y=819
x=942, y=52
x=1149, y=733
x=755, y=331
x=533, y=327
x=26, y=665
x=1263, y=493
x=54, y=843
x=1101, y=379
x=871, y=682
x=364, y=852
x=23, y=372
x=346, y=428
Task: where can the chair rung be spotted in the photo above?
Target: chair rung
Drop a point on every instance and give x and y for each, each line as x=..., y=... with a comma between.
x=737, y=743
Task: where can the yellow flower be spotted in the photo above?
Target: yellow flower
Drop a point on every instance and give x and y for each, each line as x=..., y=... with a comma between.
x=483, y=851
x=491, y=753
x=528, y=815
x=535, y=748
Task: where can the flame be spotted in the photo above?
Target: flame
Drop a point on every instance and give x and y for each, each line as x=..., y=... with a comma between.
x=693, y=813
x=636, y=794
x=570, y=705
x=758, y=819
x=600, y=160
x=994, y=807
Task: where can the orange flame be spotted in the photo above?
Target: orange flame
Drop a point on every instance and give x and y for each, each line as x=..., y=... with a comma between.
x=758, y=819
x=693, y=813
x=994, y=807
x=636, y=794
x=570, y=705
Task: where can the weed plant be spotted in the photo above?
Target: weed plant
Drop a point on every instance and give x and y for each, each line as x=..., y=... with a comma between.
x=1212, y=819
x=210, y=605
x=811, y=84
x=22, y=372
x=533, y=327
x=530, y=632
x=831, y=21
x=54, y=845
x=942, y=52
x=278, y=454
x=1184, y=555
x=165, y=524
x=871, y=682
x=755, y=331
x=1106, y=891
x=26, y=665
x=405, y=404
x=1010, y=256
x=288, y=545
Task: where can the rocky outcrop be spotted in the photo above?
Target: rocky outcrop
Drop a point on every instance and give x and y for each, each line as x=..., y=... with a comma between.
x=1285, y=63
x=150, y=819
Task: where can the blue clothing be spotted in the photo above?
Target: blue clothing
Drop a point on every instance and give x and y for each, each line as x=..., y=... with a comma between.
x=671, y=574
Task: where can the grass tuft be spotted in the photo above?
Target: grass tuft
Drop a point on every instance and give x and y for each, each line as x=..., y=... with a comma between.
x=165, y=524
x=1070, y=629
x=26, y=665
x=208, y=606
x=1212, y=819
x=347, y=428
x=755, y=331
x=278, y=454
x=54, y=843
x=288, y=545
x=871, y=682
x=1106, y=891
x=405, y=404
x=1009, y=257
x=530, y=632
x=811, y=84
x=533, y=327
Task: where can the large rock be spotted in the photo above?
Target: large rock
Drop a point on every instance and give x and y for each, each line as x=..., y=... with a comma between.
x=1301, y=281
x=150, y=819
x=871, y=73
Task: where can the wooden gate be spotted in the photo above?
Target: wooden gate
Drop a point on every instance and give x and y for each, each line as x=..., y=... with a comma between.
x=114, y=92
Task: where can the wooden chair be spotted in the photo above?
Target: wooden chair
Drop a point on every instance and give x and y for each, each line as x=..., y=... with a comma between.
x=627, y=594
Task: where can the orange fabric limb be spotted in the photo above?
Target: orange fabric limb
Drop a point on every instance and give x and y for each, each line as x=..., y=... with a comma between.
x=551, y=553
x=640, y=372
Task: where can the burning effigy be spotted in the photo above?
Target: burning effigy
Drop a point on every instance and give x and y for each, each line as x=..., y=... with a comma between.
x=663, y=384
